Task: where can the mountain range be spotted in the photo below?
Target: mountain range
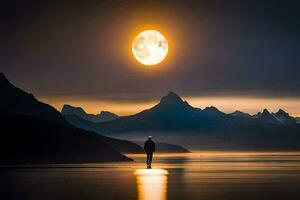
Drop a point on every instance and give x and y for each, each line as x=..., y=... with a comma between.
x=102, y=117
x=16, y=101
x=280, y=117
x=77, y=112
x=33, y=132
x=174, y=119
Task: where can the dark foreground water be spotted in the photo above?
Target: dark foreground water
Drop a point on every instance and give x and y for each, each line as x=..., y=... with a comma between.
x=199, y=176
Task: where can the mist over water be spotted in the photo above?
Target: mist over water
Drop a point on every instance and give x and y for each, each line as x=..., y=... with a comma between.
x=199, y=175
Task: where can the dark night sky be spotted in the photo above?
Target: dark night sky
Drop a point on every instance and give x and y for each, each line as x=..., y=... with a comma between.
x=228, y=47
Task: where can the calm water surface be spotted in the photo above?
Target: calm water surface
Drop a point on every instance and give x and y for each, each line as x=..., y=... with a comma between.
x=200, y=175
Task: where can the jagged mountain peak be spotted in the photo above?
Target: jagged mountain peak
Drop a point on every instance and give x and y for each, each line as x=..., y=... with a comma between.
x=284, y=117
x=212, y=111
x=68, y=108
x=280, y=117
x=281, y=112
x=80, y=112
x=172, y=99
x=238, y=113
x=105, y=112
x=16, y=101
x=212, y=108
x=266, y=111
x=108, y=114
x=257, y=114
x=266, y=116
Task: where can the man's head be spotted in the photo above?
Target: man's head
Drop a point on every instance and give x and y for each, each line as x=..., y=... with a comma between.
x=150, y=137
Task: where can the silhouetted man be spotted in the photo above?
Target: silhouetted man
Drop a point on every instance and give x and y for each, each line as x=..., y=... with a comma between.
x=149, y=148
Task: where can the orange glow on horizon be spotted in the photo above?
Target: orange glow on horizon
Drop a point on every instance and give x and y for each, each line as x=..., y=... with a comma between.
x=226, y=104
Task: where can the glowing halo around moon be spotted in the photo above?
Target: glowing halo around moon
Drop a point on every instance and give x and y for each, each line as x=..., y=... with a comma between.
x=150, y=47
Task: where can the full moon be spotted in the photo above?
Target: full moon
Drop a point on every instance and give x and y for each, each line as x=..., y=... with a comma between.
x=150, y=47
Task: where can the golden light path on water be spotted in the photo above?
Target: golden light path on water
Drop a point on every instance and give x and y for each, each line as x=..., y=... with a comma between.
x=201, y=175
x=151, y=184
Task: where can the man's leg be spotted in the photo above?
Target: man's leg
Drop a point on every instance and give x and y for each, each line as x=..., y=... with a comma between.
x=150, y=158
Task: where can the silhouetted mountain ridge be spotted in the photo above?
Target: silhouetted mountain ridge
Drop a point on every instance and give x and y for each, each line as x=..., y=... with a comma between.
x=280, y=117
x=80, y=112
x=266, y=116
x=284, y=117
x=16, y=101
x=172, y=99
x=31, y=140
x=174, y=116
x=33, y=133
x=238, y=113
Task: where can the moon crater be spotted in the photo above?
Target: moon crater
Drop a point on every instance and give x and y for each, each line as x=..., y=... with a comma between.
x=150, y=47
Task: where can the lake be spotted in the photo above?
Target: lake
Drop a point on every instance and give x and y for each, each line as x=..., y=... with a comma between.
x=195, y=176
